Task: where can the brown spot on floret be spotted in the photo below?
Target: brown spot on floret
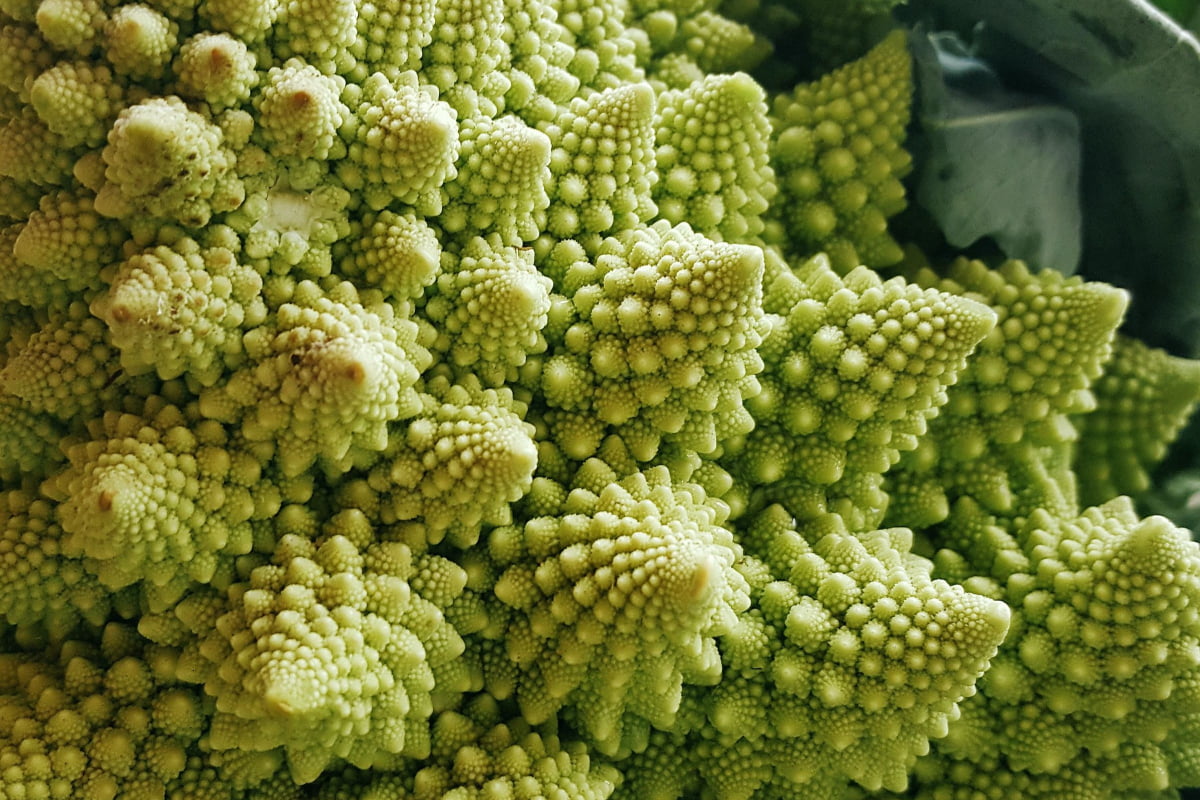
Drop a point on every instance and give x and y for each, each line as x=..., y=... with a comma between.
x=355, y=373
x=300, y=100
x=219, y=60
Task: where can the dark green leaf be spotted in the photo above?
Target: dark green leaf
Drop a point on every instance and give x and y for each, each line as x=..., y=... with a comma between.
x=997, y=163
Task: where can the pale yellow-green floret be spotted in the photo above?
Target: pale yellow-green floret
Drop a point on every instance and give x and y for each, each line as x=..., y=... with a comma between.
x=490, y=307
x=500, y=188
x=66, y=242
x=403, y=144
x=77, y=101
x=396, y=253
x=325, y=374
x=855, y=368
x=838, y=157
x=712, y=156
x=458, y=464
x=1100, y=667
x=662, y=336
x=216, y=68
x=165, y=160
x=300, y=111
x=65, y=368
x=326, y=653
x=1143, y=399
x=181, y=309
x=498, y=400
x=600, y=162
x=1009, y=411
x=161, y=500
x=615, y=600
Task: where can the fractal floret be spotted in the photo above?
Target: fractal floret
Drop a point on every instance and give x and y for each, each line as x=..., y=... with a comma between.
x=483, y=400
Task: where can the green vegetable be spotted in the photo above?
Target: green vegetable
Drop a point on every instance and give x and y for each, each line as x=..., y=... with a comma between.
x=480, y=399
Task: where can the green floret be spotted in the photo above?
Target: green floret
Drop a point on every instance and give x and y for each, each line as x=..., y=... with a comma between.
x=66, y=369
x=31, y=153
x=605, y=50
x=87, y=721
x=247, y=20
x=613, y=603
x=489, y=310
x=849, y=660
x=897, y=650
x=203, y=779
x=1101, y=665
x=74, y=26
x=601, y=160
x=660, y=344
x=66, y=243
x=23, y=56
x=300, y=111
x=540, y=76
x=17, y=199
x=216, y=68
x=180, y=11
x=838, y=31
x=397, y=254
x=41, y=589
x=686, y=42
x=1052, y=337
x=1143, y=400
x=325, y=652
x=675, y=71
x=403, y=143
x=77, y=101
x=503, y=172
x=478, y=754
x=323, y=378
x=465, y=54
x=989, y=776
x=837, y=153
x=712, y=156
x=22, y=285
x=392, y=35
x=161, y=499
x=592, y=24
x=984, y=548
x=717, y=44
x=1006, y=419
x=21, y=10
x=181, y=309
x=458, y=464
x=165, y=160
x=855, y=367
x=28, y=441
x=319, y=32
x=139, y=42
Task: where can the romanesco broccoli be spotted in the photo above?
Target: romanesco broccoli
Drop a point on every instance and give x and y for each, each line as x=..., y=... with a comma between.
x=498, y=400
